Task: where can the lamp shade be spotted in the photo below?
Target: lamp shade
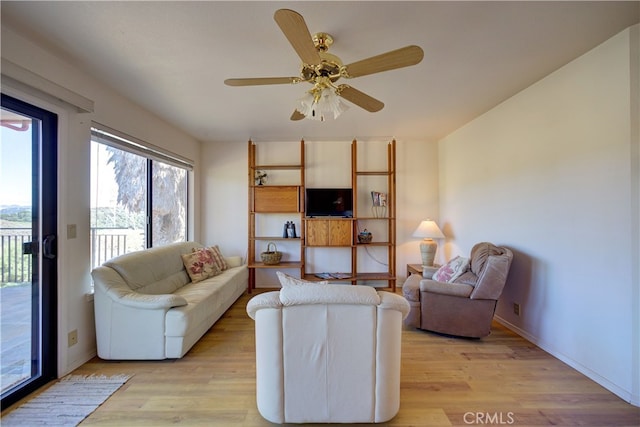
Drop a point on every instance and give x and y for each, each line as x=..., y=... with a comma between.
x=428, y=229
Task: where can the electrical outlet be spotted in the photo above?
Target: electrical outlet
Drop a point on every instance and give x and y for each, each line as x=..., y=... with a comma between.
x=516, y=309
x=72, y=338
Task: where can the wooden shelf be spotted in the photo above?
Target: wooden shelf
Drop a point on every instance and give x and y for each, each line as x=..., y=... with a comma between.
x=368, y=218
x=375, y=276
x=373, y=173
x=283, y=265
x=381, y=276
x=273, y=238
x=311, y=277
x=277, y=167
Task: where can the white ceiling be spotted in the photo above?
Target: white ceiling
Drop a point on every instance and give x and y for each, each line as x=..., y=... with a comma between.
x=172, y=57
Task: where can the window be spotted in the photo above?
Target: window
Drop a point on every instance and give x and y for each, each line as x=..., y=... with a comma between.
x=138, y=196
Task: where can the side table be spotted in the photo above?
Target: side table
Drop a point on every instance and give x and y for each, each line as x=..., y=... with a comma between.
x=417, y=269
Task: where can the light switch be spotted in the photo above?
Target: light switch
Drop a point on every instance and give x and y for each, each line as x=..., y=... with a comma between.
x=71, y=231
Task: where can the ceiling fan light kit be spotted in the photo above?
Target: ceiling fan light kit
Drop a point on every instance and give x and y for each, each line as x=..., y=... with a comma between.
x=321, y=101
x=322, y=70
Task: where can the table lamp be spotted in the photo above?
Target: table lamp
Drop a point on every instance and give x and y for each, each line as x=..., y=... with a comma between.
x=428, y=230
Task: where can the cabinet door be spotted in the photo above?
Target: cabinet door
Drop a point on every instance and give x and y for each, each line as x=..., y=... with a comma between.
x=329, y=232
x=317, y=233
x=339, y=233
x=276, y=199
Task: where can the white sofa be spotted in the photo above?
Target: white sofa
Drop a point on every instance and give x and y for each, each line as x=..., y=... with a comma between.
x=328, y=353
x=147, y=308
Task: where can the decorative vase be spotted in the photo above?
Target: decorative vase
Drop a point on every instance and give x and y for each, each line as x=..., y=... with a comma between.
x=365, y=236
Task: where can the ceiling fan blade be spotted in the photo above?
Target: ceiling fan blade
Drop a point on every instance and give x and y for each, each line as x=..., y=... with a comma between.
x=297, y=115
x=361, y=99
x=254, y=81
x=295, y=30
x=403, y=57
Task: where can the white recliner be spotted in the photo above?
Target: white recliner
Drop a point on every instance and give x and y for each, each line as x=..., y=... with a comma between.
x=328, y=353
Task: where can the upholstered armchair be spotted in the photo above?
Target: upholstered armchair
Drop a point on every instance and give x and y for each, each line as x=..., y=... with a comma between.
x=464, y=305
x=328, y=353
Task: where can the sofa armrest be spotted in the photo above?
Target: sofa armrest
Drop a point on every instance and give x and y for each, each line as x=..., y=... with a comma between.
x=453, y=289
x=389, y=301
x=112, y=285
x=493, y=278
x=265, y=300
x=149, y=302
x=411, y=287
x=429, y=271
x=233, y=261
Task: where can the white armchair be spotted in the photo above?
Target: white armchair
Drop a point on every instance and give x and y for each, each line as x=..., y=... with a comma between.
x=328, y=353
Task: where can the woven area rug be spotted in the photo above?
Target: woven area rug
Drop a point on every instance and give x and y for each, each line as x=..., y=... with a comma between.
x=65, y=403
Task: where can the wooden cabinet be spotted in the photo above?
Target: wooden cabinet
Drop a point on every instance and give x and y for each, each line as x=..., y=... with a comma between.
x=329, y=232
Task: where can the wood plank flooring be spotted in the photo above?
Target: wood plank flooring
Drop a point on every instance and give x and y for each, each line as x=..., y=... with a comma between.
x=498, y=380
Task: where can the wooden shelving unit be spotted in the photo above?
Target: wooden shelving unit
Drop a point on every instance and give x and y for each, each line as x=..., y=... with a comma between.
x=323, y=232
x=388, y=219
x=273, y=199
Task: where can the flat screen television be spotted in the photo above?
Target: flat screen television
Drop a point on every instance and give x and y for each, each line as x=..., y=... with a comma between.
x=329, y=202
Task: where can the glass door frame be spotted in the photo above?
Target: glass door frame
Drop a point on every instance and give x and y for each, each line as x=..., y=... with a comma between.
x=44, y=171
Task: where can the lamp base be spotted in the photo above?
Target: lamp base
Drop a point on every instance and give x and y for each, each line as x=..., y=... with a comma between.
x=428, y=251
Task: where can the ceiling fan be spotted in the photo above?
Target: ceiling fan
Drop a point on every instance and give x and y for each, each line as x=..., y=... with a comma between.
x=323, y=69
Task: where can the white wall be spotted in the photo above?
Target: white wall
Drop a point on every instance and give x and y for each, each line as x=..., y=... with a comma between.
x=75, y=311
x=224, y=188
x=553, y=174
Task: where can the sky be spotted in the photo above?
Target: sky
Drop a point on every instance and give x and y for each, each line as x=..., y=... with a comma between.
x=15, y=167
x=15, y=171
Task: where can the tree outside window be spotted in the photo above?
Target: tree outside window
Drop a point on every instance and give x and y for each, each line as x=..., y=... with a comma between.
x=121, y=183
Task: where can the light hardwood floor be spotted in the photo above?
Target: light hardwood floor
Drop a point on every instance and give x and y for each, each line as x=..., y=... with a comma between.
x=498, y=380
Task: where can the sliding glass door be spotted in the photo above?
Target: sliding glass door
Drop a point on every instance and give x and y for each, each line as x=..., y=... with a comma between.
x=28, y=218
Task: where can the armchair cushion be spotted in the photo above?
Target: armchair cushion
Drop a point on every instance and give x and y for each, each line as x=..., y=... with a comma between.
x=455, y=289
x=452, y=270
x=480, y=253
x=468, y=278
x=329, y=294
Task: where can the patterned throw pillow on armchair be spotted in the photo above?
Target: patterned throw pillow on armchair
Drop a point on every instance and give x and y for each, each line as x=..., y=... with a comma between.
x=452, y=270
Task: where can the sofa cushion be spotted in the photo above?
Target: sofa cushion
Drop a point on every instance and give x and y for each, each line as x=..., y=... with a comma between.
x=206, y=301
x=200, y=264
x=467, y=278
x=452, y=270
x=158, y=270
x=479, y=254
x=218, y=257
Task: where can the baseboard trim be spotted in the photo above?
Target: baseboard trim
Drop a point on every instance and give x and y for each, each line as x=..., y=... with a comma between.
x=615, y=389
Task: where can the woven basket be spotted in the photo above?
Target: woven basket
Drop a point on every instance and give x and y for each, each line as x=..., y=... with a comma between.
x=271, y=257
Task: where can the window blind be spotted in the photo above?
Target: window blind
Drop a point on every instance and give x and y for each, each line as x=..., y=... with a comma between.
x=119, y=140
